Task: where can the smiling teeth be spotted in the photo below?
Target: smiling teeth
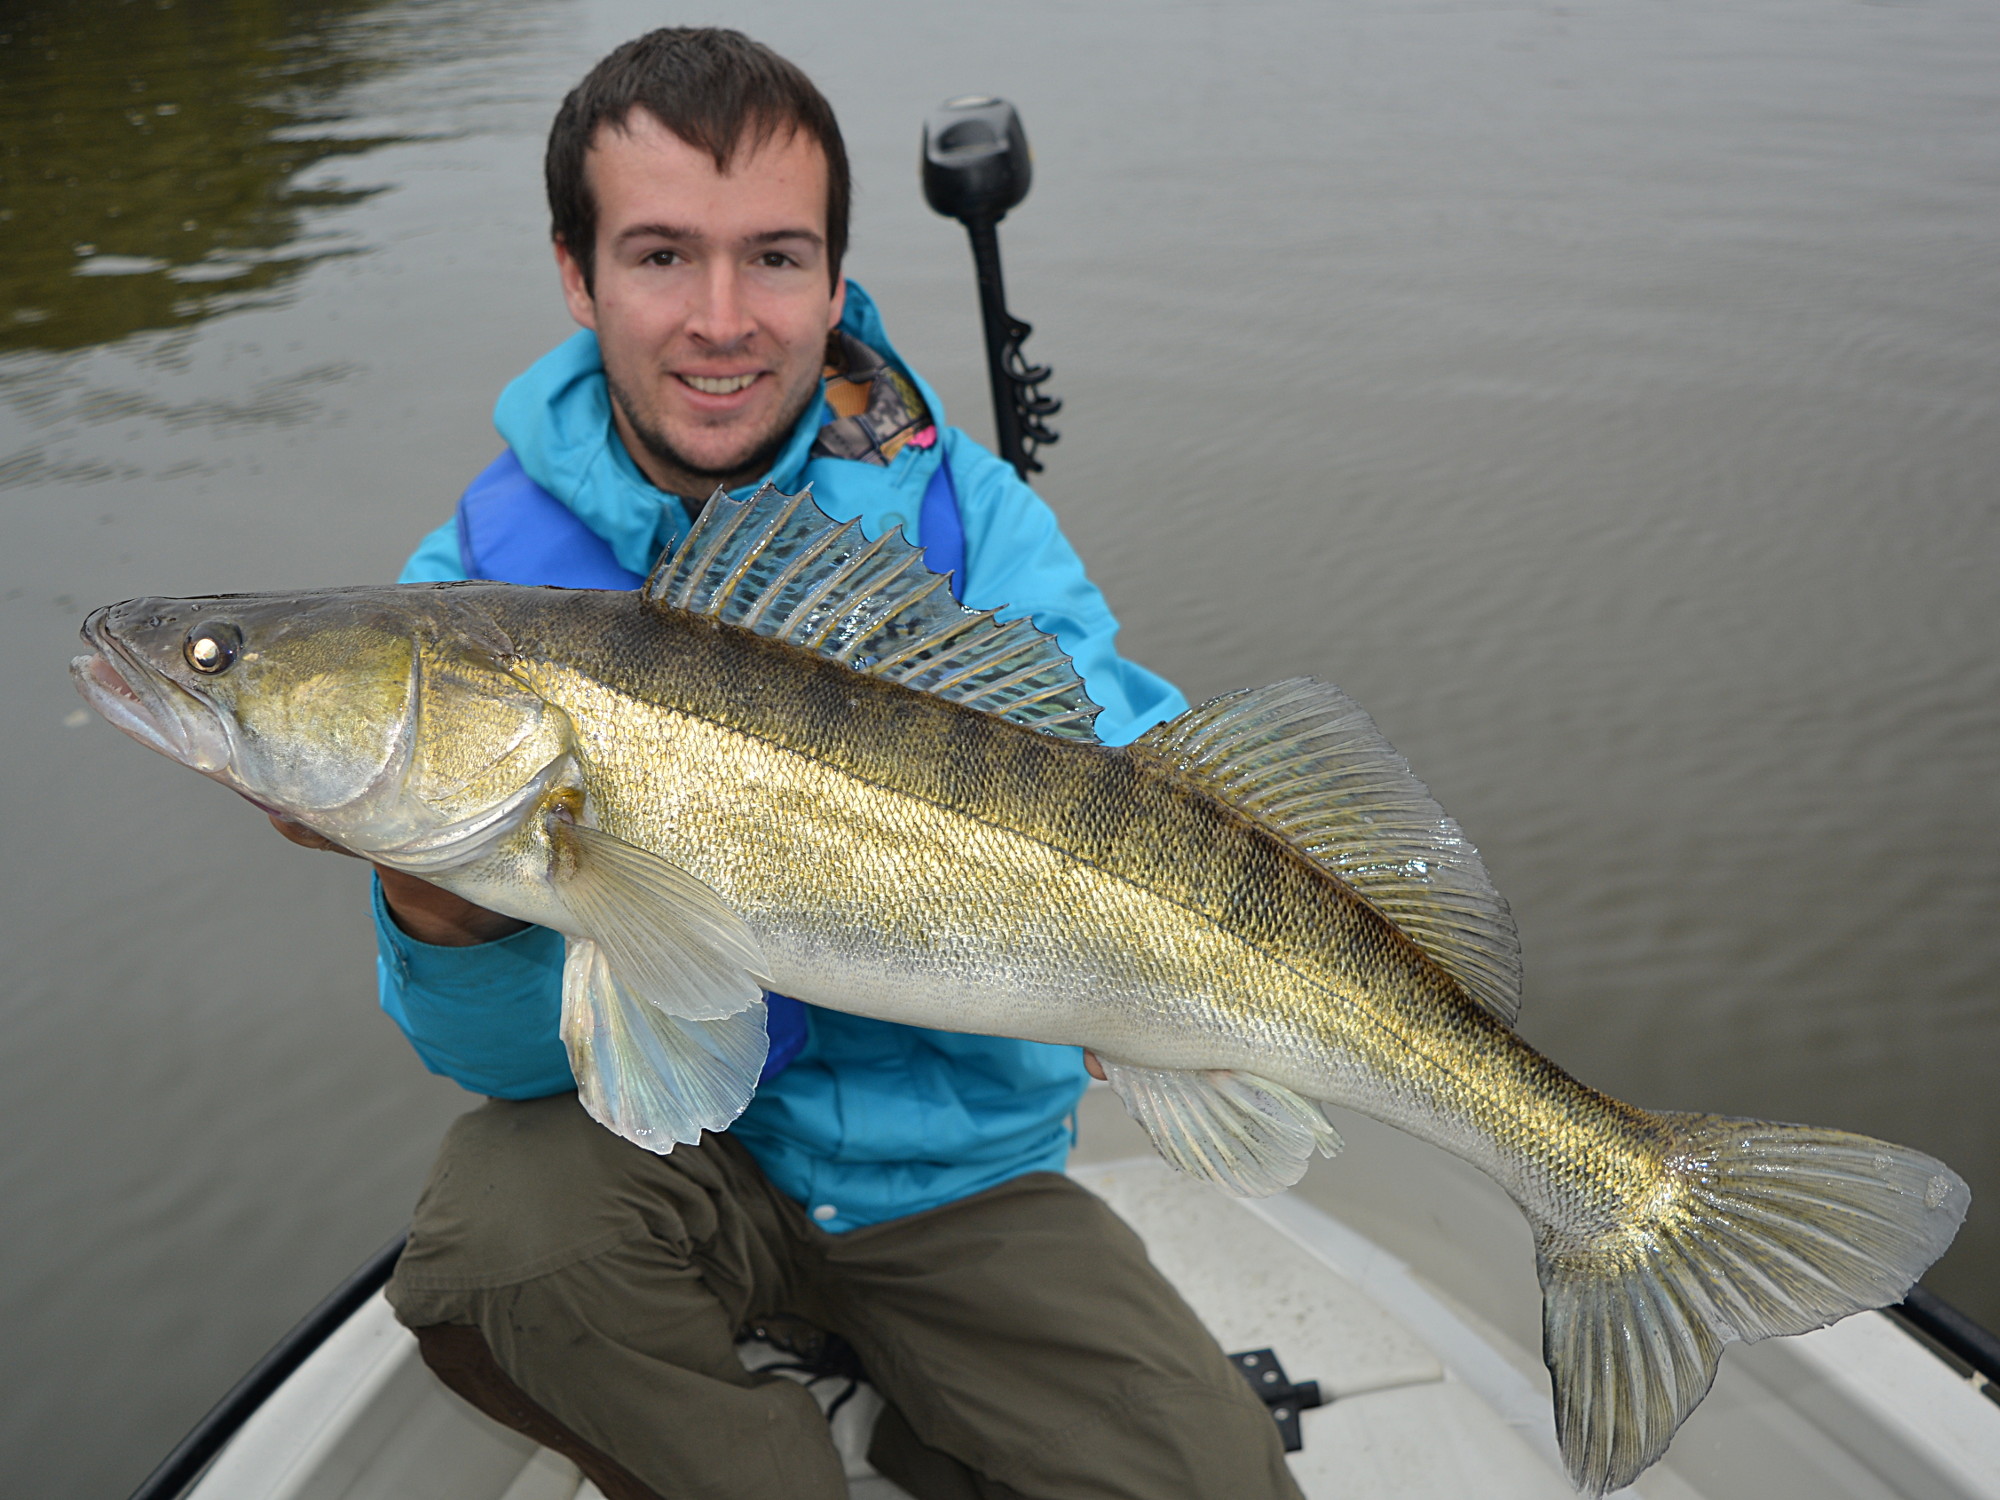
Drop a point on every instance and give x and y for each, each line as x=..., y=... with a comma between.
x=719, y=385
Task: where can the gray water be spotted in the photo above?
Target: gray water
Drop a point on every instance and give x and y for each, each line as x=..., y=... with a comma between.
x=1604, y=395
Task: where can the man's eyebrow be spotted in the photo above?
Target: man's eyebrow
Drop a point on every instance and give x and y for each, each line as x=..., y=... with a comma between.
x=774, y=236
x=682, y=233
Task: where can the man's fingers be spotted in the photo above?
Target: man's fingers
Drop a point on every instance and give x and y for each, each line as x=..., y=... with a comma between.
x=1092, y=1066
x=299, y=834
x=427, y=912
x=431, y=914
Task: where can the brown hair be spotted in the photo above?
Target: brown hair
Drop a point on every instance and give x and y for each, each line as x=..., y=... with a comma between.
x=715, y=89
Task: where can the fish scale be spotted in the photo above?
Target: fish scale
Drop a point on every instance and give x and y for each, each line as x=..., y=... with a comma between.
x=793, y=761
x=779, y=809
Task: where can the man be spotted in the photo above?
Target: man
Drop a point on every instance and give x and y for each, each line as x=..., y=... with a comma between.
x=895, y=1187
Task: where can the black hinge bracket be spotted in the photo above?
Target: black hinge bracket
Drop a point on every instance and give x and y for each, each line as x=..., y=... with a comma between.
x=1274, y=1388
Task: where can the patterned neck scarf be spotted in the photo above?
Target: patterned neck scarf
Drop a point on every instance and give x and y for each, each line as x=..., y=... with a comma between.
x=876, y=408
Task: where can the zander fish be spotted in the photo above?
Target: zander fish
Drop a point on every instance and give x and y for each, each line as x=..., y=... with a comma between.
x=792, y=762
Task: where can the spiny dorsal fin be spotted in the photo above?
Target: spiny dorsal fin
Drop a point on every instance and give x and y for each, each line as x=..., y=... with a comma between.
x=779, y=565
x=1304, y=760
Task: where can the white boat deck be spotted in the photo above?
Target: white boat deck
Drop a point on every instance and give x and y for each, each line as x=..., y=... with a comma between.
x=1431, y=1394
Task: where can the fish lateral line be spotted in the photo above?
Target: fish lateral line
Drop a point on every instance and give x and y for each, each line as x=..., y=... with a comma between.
x=1363, y=1009
x=886, y=694
x=971, y=814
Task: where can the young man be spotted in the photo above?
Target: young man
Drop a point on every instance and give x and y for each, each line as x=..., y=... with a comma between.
x=897, y=1187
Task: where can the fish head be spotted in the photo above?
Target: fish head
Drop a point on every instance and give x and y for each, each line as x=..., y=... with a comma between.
x=389, y=720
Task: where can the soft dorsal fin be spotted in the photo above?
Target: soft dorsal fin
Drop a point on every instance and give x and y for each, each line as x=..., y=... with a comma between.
x=779, y=565
x=1302, y=759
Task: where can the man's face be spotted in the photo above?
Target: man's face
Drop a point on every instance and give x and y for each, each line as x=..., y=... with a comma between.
x=712, y=302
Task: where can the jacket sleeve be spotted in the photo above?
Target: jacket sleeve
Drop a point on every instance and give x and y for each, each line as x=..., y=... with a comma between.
x=1017, y=557
x=487, y=1017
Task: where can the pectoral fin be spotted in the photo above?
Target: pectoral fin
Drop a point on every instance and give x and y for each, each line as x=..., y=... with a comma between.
x=656, y=1080
x=663, y=1005
x=666, y=937
x=1245, y=1134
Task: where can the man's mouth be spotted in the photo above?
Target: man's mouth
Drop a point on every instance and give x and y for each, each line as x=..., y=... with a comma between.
x=720, y=385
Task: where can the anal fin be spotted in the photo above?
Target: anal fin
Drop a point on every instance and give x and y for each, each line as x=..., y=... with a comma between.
x=1245, y=1134
x=657, y=1080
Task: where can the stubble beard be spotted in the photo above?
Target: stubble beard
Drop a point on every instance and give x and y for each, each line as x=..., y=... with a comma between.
x=695, y=482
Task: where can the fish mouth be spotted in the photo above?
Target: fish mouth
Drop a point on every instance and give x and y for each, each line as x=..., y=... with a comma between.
x=151, y=708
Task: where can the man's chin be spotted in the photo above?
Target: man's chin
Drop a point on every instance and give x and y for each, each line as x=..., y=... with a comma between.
x=697, y=464
x=701, y=455
x=739, y=462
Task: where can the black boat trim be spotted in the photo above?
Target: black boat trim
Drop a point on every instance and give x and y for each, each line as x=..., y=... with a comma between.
x=191, y=1455
x=1949, y=1332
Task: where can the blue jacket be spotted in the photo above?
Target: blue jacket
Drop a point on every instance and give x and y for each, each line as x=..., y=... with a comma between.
x=871, y=1120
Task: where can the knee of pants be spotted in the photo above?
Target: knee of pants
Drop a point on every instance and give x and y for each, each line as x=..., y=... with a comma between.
x=521, y=1188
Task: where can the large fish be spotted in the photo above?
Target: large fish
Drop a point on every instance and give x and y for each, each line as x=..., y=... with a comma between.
x=793, y=762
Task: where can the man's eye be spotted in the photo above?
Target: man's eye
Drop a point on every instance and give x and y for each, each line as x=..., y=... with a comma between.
x=775, y=260
x=663, y=258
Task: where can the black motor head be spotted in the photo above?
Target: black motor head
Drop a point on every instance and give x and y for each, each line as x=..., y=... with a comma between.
x=976, y=163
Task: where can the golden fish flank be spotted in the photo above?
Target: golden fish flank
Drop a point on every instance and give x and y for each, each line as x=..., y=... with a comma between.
x=794, y=761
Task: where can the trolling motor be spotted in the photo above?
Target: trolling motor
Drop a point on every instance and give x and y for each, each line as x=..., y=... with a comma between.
x=976, y=167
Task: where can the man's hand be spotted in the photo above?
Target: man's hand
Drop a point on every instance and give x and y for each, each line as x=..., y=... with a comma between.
x=429, y=913
x=1093, y=1067
x=304, y=837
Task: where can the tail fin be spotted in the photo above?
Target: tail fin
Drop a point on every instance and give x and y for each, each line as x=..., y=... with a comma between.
x=1766, y=1229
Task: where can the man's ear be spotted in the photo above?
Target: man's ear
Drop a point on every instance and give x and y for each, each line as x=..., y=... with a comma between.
x=582, y=305
x=839, y=306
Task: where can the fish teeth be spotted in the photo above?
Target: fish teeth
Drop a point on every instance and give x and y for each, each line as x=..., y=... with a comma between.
x=719, y=385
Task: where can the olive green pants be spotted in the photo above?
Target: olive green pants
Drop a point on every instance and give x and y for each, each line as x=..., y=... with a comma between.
x=1023, y=1343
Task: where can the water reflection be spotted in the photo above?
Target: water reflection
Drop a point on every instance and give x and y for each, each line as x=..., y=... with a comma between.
x=157, y=157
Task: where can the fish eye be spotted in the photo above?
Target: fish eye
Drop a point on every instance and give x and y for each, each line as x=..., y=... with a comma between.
x=211, y=647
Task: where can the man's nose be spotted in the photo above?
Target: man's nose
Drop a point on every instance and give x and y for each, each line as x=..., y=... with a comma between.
x=722, y=317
